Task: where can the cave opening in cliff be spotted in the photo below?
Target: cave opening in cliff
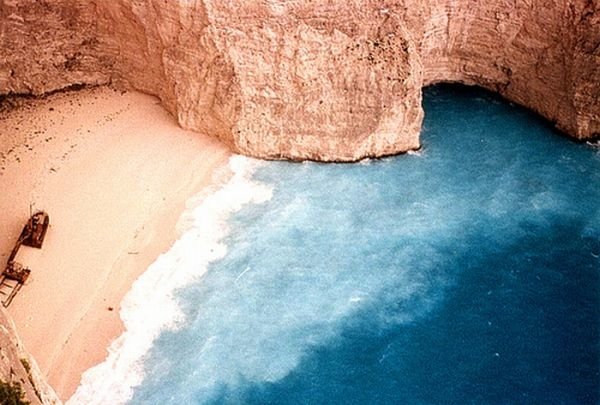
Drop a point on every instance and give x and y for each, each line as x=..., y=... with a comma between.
x=464, y=91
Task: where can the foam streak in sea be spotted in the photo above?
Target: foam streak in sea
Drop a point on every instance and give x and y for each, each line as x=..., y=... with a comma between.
x=150, y=308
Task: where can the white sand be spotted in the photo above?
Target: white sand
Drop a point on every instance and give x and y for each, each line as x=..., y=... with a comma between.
x=113, y=171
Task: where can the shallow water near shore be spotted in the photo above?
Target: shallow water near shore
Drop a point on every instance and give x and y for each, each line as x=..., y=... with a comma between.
x=468, y=272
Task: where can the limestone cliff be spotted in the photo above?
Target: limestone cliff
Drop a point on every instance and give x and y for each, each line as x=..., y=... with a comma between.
x=16, y=366
x=331, y=80
x=325, y=80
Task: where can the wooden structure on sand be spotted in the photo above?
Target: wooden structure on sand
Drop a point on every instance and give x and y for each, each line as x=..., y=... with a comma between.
x=14, y=275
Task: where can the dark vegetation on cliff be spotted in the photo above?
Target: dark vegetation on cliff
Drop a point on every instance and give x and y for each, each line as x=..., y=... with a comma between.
x=12, y=394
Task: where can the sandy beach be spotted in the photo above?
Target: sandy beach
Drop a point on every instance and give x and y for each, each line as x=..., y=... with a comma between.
x=114, y=171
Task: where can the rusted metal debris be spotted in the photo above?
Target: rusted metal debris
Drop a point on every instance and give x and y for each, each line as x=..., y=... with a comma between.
x=15, y=275
x=34, y=232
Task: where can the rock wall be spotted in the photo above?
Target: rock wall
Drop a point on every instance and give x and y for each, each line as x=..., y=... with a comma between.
x=17, y=366
x=49, y=45
x=542, y=54
x=324, y=80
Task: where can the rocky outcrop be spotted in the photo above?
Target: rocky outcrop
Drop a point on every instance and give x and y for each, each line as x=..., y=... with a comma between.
x=324, y=80
x=16, y=366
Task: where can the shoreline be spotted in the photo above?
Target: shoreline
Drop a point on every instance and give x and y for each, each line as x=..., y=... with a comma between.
x=151, y=306
x=114, y=171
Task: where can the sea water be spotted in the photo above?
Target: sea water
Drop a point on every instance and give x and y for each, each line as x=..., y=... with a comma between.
x=465, y=273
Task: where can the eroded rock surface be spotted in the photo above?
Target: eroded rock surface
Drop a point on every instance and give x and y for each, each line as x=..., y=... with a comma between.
x=325, y=80
x=17, y=367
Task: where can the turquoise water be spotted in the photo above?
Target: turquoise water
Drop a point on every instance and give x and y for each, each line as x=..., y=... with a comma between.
x=468, y=273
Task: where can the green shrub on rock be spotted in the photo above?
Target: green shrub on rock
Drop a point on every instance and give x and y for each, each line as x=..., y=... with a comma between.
x=11, y=394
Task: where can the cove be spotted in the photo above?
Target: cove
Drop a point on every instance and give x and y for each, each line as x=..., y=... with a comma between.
x=465, y=273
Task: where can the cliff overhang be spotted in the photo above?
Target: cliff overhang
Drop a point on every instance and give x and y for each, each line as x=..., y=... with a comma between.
x=329, y=81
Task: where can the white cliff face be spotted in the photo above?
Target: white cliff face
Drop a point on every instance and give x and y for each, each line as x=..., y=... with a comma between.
x=317, y=83
x=16, y=366
x=536, y=53
x=325, y=80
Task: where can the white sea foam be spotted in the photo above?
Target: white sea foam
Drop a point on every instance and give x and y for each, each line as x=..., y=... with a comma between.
x=416, y=152
x=149, y=308
x=594, y=144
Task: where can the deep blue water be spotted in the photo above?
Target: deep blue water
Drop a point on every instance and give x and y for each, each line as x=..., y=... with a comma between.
x=468, y=274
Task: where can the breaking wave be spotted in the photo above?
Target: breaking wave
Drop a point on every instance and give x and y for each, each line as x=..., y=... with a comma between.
x=150, y=307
